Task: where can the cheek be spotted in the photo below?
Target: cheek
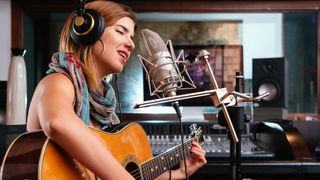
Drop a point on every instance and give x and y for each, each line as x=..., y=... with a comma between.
x=110, y=49
x=97, y=49
x=107, y=57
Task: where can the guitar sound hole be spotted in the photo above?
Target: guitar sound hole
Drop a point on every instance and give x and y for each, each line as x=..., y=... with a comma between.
x=134, y=170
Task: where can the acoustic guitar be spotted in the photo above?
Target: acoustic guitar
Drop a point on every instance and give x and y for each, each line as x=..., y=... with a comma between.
x=33, y=156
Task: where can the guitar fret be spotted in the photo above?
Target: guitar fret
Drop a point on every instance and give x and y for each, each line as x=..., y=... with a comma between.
x=147, y=173
x=176, y=156
x=156, y=162
x=157, y=169
x=165, y=161
x=143, y=171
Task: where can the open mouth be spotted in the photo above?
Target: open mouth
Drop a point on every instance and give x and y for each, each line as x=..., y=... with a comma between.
x=124, y=55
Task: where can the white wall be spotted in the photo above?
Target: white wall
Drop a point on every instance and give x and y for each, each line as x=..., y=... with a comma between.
x=5, y=38
x=262, y=38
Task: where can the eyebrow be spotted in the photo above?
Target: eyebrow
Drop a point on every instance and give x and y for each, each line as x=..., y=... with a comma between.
x=125, y=29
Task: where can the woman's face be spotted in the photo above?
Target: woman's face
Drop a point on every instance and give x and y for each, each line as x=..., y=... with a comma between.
x=118, y=44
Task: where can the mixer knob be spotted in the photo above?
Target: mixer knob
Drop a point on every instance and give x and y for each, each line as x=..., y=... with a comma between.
x=193, y=127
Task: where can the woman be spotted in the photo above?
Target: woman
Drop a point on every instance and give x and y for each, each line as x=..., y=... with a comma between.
x=74, y=95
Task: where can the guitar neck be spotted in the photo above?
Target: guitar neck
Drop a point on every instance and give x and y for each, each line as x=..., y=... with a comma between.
x=166, y=160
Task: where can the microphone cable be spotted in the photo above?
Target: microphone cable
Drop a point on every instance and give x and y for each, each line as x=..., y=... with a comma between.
x=179, y=114
x=118, y=95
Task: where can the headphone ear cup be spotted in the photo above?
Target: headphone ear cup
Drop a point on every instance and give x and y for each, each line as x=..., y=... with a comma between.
x=88, y=28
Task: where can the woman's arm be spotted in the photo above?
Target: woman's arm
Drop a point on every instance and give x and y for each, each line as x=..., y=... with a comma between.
x=55, y=95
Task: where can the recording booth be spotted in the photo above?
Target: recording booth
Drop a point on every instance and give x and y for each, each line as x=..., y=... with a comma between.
x=253, y=48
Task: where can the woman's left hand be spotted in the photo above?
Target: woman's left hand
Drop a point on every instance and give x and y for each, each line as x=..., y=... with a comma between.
x=195, y=162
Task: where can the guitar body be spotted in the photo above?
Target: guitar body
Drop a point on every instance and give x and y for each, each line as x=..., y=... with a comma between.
x=34, y=156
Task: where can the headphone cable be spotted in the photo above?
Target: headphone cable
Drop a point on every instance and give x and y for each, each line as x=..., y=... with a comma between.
x=80, y=7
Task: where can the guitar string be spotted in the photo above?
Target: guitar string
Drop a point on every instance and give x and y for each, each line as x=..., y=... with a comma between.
x=188, y=143
x=136, y=172
x=136, y=176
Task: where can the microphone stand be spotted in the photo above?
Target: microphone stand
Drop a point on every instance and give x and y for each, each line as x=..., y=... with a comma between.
x=238, y=120
x=184, y=153
x=237, y=114
x=204, y=55
x=235, y=142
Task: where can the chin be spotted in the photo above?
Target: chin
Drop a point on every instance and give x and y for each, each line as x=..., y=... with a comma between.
x=118, y=69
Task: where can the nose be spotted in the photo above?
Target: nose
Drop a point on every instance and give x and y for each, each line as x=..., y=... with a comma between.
x=129, y=44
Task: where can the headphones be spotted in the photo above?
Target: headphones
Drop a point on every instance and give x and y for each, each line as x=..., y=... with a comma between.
x=86, y=26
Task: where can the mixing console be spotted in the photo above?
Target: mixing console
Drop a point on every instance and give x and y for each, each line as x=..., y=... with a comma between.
x=165, y=135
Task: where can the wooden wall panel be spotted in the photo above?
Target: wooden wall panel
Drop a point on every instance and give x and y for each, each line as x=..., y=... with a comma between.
x=16, y=26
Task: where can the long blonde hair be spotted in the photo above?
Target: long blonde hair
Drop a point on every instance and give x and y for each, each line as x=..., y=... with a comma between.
x=111, y=12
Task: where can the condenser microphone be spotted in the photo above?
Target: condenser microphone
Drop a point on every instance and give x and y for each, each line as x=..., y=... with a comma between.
x=162, y=71
x=159, y=63
x=164, y=77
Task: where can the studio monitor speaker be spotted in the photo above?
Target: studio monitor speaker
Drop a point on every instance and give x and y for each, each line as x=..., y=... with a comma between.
x=271, y=75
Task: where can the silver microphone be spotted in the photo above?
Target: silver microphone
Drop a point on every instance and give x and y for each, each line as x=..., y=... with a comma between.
x=162, y=72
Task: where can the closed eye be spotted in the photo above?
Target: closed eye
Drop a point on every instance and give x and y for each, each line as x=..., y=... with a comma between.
x=120, y=32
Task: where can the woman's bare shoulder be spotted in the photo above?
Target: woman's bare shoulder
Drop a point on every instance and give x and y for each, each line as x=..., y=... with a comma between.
x=55, y=79
x=54, y=83
x=53, y=89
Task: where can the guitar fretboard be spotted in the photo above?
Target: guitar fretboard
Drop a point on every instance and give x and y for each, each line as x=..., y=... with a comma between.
x=165, y=161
